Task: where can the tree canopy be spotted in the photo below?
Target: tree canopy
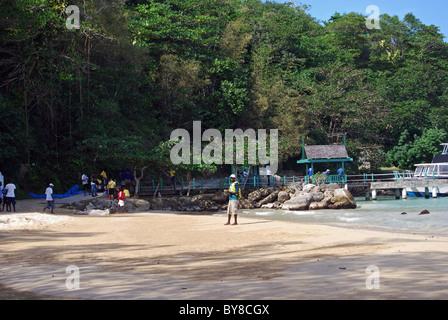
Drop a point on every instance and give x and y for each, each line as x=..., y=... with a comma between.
x=136, y=70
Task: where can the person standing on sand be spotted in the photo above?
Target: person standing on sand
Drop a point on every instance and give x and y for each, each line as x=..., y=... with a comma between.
x=49, y=198
x=93, y=185
x=85, y=183
x=121, y=199
x=111, y=189
x=234, y=197
x=104, y=180
x=10, y=197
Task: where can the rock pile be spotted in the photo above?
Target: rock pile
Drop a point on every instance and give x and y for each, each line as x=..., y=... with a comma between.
x=102, y=206
x=312, y=197
x=296, y=196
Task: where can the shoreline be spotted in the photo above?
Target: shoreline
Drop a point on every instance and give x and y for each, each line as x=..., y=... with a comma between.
x=159, y=255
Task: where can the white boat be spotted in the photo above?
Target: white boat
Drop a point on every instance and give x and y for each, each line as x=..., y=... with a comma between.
x=437, y=169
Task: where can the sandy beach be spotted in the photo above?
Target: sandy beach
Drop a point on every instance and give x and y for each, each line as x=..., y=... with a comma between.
x=161, y=255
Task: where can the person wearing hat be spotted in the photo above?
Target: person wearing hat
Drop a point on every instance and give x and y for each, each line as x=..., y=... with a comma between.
x=234, y=196
x=49, y=198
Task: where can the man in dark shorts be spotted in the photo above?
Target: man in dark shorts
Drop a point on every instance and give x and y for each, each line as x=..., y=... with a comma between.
x=85, y=183
x=10, y=196
x=111, y=189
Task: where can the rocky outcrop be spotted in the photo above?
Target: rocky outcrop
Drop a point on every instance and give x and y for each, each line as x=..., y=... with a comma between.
x=313, y=197
x=104, y=206
x=296, y=196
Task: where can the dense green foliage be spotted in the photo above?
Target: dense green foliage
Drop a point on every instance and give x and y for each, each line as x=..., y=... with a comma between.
x=138, y=69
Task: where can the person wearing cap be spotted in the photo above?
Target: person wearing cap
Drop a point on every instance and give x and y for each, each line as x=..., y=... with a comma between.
x=234, y=196
x=49, y=198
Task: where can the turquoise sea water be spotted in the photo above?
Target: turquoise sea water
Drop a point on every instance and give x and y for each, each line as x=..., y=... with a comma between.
x=383, y=214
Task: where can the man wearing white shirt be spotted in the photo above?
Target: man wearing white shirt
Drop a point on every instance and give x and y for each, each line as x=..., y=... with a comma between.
x=85, y=183
x=10, y=196
x=49, y=198
x=268, y=174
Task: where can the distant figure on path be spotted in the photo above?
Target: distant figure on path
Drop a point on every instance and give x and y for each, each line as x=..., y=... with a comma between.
x=173, y=179
x=104, y=179
x=49, y=198
x=234, y=196
x=85, y=183
x=93, y=185
x=268, y=174
x=10, y=196
x=340, y=171
x=111, y=188
x=127, y=194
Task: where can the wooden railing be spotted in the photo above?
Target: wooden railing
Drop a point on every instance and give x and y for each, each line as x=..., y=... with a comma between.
x=216, y=183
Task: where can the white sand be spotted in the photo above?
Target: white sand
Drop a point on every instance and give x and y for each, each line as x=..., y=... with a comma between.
x=30, y=220
x=167, y=256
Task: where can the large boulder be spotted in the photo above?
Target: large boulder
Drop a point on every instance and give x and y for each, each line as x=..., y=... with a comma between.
x=300, y=202
x=283, y=196
x=272, y=205
x=270, y=198
x=342, y=199
x=294, y=187
x=259, y=194
x=246, y=204
x=323, y=204
x=308, y=187
x=312, y=198
x=139, y=204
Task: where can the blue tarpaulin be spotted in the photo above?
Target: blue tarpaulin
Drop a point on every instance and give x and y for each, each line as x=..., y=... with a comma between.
x=71, y=192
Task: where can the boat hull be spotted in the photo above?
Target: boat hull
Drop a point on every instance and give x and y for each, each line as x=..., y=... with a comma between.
x=420, y=192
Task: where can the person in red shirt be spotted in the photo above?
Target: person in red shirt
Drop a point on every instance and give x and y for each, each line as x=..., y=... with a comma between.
x=121, y=199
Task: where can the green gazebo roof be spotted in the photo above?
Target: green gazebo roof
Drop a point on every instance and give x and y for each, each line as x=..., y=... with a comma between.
x=324, y=154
